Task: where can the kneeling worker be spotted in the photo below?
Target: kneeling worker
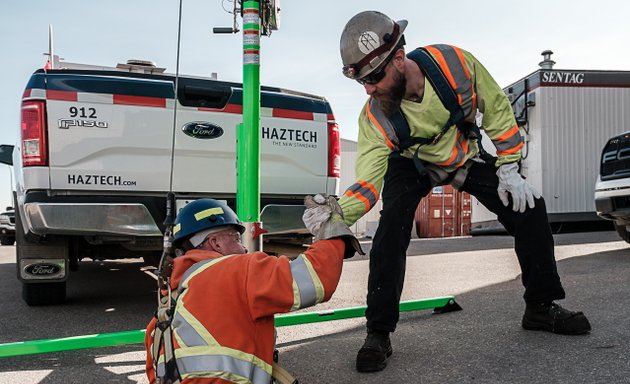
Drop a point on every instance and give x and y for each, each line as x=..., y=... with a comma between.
x=225, y=299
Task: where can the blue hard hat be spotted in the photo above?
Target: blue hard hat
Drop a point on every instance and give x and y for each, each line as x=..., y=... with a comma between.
x=204, y=214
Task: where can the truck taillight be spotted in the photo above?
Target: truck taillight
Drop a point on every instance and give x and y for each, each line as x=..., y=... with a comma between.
x=334, y=150
x=34, y=146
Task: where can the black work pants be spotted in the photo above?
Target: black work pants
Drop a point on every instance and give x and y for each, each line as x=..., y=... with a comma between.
x=402, y=191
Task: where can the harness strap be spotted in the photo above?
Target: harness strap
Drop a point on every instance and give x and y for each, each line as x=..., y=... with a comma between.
x=163, y=337
x=171, y=374
x=442, y=87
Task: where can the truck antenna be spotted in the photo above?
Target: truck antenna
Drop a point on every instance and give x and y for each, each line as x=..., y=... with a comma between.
x=50, y=64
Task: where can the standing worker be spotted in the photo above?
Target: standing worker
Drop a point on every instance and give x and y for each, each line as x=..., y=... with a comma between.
x=220, y=326
x=412, y=139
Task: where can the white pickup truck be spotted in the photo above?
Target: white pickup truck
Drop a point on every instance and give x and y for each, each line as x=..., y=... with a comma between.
x=93, y=162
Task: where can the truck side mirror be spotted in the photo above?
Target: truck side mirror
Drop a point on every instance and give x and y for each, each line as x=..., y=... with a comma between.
x=6, y=154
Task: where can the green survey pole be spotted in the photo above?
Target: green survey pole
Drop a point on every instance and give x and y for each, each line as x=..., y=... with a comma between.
x=248, y=135
x=439, y=305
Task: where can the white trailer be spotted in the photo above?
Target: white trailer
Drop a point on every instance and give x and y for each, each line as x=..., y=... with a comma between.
x=566, y=117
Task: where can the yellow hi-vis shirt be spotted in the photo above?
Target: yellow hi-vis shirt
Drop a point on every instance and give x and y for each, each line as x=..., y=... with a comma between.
x=426, y=119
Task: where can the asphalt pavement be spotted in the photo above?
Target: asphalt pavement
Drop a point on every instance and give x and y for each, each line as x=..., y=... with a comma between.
x=483, y=343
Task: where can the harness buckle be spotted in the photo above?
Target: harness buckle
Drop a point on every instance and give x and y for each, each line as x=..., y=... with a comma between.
x=437, y=138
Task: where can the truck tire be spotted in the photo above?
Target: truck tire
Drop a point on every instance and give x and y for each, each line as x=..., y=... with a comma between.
x=623, y=232
x=36, y=294
x=7, y=240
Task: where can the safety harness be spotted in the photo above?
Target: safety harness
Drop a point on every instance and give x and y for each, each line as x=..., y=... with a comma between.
x=162, y=334
x=452, y=82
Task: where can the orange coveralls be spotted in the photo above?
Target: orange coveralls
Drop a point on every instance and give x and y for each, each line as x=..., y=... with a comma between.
x=223, y=326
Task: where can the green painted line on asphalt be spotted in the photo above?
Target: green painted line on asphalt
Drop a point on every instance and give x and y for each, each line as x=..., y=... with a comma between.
x=136, y=337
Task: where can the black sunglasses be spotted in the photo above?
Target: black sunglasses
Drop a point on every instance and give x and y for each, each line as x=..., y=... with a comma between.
x=378, y=75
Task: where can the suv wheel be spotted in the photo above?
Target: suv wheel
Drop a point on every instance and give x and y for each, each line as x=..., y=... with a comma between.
x=35, y=294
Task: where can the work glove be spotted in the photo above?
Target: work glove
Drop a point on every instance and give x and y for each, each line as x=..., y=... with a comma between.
x=317, y=211
x=522, y=192
x=333, y=226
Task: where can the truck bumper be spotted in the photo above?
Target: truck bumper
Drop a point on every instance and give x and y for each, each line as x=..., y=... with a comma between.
x=90, y=218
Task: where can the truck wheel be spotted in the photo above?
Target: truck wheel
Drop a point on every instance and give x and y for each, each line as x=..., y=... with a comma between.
x=35, y=294
x=623, y=232
x=7, y=240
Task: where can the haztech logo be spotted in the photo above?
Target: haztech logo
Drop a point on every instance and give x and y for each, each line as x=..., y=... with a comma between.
x=563, y=77
x=99, y=180
x=290, y=137
x=67, y=123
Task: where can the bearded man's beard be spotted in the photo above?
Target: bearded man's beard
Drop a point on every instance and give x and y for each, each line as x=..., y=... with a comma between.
x=390, y=102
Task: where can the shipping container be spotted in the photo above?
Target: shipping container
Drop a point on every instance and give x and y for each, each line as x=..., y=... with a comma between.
x=444, y=212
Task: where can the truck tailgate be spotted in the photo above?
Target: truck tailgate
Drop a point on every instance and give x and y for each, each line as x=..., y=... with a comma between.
x=109, y=133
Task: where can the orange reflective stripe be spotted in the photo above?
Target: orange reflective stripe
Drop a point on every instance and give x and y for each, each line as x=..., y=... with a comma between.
x=442, y=63
x=511, y=132
x=380, y=128
x=453, y=153
x=360, y=197
x=461, y=59
x=511, y=150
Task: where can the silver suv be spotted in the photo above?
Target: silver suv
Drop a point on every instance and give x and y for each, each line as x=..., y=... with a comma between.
x=612, y=190
x=7, y=227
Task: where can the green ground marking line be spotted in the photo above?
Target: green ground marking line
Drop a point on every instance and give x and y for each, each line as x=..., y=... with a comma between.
x=137, y=337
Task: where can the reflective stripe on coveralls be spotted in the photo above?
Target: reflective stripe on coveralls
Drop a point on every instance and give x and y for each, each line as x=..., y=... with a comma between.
x=308, y=290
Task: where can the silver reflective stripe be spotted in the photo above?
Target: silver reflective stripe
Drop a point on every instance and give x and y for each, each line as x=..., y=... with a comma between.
x=509, y=143
x=365, y=192
x=464, y=85
x=383, y=121
x=203, y=364
x=183, y=283
x=305, y=284
x=189, y=336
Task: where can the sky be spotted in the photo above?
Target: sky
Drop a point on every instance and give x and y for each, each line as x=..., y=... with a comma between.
x=506, y=36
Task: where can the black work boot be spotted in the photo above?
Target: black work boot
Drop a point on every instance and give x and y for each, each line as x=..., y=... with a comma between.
x=373, y=354
x=551, y=317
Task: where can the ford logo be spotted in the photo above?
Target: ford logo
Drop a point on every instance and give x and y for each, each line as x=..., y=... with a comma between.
x=202, y=130
x=42, y=269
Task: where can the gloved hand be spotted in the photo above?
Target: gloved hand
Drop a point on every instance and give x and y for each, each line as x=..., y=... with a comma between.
x=317, y=211
x=523, y=193
x=334, y=226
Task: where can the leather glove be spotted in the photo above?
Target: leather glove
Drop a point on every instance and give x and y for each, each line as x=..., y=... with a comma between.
x=334, y=226
x=523, y=193
x=317, y=211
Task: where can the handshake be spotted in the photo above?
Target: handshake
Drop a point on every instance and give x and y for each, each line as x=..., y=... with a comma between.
x=323, y=217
